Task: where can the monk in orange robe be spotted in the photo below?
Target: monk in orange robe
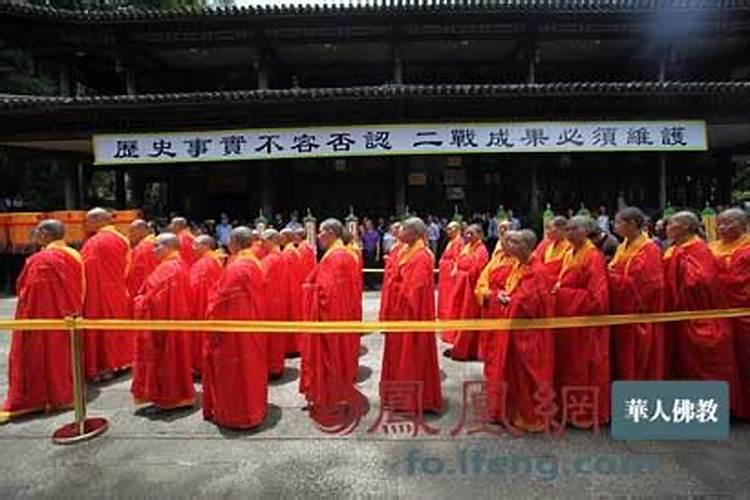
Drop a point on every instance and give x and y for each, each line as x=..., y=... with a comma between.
x=162, y=372
x=277, y=299
x=328, y=294
x=387, y=307
x=551, y=250
x=293, y=263
x=144, y=260
x=412, y=357
x=466, y=269
x=700, y=350
x=582, y=354
x=307, y=254
x=522, y=359
x=636, y=286
x=235, y=375
x=179, y=226
x=51, y=286
x=446, y=278
x=106, y=261
x=204, y=275
x=732, y=254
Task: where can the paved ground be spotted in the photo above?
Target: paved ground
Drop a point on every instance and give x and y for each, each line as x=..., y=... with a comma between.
x=187, y=457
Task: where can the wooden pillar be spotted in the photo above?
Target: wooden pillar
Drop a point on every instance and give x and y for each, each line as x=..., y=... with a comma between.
x=399, y=184
x=534, y=191
x=398, y=64
x=120, y=188
x=662, y=181
x=267, y=189
x=82, y=199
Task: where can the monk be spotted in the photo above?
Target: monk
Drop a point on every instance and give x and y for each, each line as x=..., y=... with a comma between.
x=293, y=263
x=106, y=261
x=732, y=254
x=353, y=341
x=179, y=226
x=636, y=286
x=307, y=254
x=466, y=269
x=257, y=245
x=235, y=376
x=551, y=250
x=162, y=373
x=276, y=275
x=582, y=354
x=204, y=275
x=700, y=350
x=328, y=294
x=522, y=359
x=143, y=260
x=51, y=286
x=446, y=278
x=412, y=357
x=387, y=307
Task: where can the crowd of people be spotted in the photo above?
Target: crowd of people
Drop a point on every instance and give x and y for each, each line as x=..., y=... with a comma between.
x=276, y=275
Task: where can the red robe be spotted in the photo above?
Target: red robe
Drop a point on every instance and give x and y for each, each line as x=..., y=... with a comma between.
x=390, y=269
x=293, y=263
x=308, y=259
x=412, y=357
x=204, y=275
x=733, y=261
x=235, y=375
x=446, y=283
x=550, y=253
x=143, y=263
x=636, y=286
x=469, y=266
x=106, y=259
x=186, y=247
x=162, y=372
x=700, y=350
x=39, y=375
x=328, y=362
x=523, y=359
x=277, y=308
x=582, y=354
x=490, y=283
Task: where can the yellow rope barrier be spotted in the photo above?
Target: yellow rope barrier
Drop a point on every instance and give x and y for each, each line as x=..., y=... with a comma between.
x=322, y=327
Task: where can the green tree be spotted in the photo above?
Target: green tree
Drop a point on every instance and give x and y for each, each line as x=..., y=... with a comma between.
x=741, y=185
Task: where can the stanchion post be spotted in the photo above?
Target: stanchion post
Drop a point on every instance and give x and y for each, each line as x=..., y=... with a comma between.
x=82, y=429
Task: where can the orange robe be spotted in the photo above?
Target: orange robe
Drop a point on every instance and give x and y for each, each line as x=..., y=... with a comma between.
x=733, y=261
x=106, y=259
x=390, y=269
x=469, y=266
x=490, y=283
x=186, y=247
x=700, y=350
x=235, y=376
x=51, y=286
x=144, y=261
x=412, y=357
x=582, y=354
x=293, y=264
x=446, y=283
x=328, y=294
x=204, y=275
x=276, y=285
x=636, y=286
x=162, y=372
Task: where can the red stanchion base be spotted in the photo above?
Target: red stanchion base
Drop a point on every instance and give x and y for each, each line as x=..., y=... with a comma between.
x=68, y=433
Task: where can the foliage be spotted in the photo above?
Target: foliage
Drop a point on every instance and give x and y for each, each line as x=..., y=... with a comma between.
x=741, y=185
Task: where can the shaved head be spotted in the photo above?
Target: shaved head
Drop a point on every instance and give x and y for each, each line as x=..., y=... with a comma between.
x=169, y=240
x=332, y=226
x=687, y=219
x=271, y=235
x=242, y=237
x=50, y=229
x=732, y=224
x=413, y=229
x=735, y=214
x=98, y=214
x=139, y=229
x=179, y=223
x=206, y=241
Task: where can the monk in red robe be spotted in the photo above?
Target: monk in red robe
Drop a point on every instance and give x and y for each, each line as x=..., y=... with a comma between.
x=412, y=357
x=106, y=261
x=144, y=260
x=522, y=359
x=353, y=340
x=179, y=226
x=204, y=275
x=551, y=250
x=701, y=350
x=235, y=376
x=307, y=254
x=51, y=286
x=582, y=354
x=636, y=286
x=732, y=254
x=277, y=299
x=446, y=278
x=162, y=372
x=387, y=307
x=467, y=268
x=257, y=244
x=328, y=294
x=293, y=263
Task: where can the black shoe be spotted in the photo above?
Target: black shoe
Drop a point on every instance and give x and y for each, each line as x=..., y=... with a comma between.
x=448, y=353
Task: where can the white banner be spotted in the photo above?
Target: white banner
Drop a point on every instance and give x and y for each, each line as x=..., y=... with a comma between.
x=412, y=139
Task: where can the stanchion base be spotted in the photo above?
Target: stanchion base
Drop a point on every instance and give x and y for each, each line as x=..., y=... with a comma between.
x=68, y=433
